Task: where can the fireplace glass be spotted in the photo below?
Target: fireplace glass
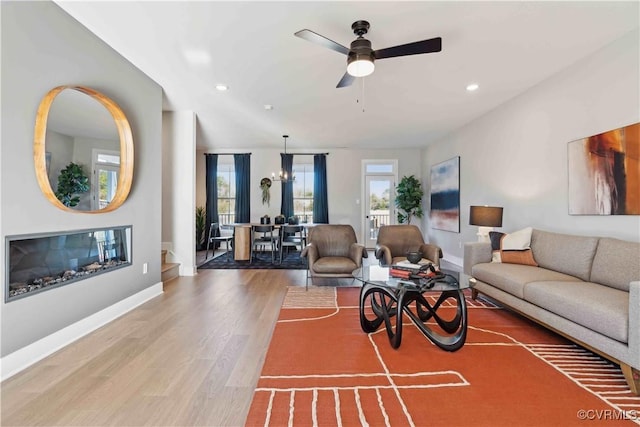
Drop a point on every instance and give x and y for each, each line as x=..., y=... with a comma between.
x=37, y=263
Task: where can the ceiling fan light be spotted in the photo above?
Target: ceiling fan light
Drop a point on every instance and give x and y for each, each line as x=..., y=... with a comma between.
x=360, y=66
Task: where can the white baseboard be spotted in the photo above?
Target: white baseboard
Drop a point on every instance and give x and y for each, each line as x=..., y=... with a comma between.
x=21, y=359
x=187, y=271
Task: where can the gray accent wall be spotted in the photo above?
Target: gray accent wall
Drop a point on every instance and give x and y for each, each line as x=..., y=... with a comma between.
x=516, y=156
x=43, y=47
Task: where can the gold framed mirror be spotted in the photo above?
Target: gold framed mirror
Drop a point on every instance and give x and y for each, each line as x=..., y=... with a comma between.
x=80, y=111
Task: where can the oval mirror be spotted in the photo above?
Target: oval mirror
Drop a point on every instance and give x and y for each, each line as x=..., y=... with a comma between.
x=83, y=150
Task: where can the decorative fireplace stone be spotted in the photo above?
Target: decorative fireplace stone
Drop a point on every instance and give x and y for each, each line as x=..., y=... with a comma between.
x=40, y=262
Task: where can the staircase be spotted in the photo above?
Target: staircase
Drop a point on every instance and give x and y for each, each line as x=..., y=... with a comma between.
x=169, y=270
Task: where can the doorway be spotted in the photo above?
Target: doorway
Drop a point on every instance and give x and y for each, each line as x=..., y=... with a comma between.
x=379, y=177
x=106, y=167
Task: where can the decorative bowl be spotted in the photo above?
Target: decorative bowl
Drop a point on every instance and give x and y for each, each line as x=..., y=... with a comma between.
x=414, y=257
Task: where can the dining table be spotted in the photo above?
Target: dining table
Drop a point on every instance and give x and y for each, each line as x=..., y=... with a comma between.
x=242, y=237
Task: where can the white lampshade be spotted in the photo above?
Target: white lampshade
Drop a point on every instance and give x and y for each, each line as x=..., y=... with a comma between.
x=361, y=67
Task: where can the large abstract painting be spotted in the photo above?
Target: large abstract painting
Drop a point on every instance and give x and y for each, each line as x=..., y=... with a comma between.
x=604, y=173
x=445, y=195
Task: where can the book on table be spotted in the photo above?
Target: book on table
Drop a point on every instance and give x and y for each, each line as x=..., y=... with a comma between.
x=406, y=270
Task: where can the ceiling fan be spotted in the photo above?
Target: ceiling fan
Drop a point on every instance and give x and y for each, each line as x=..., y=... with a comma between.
x=361, y=57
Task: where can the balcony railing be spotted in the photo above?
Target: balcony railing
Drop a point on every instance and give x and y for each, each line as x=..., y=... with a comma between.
x=378, y=220
x=226, y=218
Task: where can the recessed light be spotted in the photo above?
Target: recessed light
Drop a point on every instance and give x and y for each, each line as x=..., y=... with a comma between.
x=268, y=107
x=473, y=86
x=221, y=87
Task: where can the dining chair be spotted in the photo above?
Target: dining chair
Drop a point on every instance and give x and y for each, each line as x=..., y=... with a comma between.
x=262, y=236
x=291, y=236
x=215, y=235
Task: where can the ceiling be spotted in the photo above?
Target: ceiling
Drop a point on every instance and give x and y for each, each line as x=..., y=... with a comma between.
x=505, y=47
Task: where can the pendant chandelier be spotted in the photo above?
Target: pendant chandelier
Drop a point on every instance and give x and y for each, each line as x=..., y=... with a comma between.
x=283, y=175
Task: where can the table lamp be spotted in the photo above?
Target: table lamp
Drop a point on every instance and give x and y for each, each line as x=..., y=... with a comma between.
x=485, y=217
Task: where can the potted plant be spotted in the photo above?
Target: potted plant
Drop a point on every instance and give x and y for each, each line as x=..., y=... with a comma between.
x=409, y=199
x=71, y=182
x=201, y=223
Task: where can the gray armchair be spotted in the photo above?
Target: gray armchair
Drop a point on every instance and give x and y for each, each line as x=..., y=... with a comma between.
x=332, y=251
x=394, y=241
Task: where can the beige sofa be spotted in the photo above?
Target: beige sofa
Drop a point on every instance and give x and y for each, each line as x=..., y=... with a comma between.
x=587, y=289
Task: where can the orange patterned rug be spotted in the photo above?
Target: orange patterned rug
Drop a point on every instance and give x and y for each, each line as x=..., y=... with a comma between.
x=321, y=369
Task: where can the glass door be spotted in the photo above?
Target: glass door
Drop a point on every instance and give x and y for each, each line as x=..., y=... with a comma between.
x=379, y=206
x=106, y=167
x=107, y=177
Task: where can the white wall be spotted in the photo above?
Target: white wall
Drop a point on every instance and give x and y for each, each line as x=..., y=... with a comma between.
x=178, y=196
x=516, y=156
x=43, y=47
x=344, y=172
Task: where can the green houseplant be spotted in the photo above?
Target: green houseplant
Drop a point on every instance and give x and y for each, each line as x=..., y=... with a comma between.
x=409, y=199
x=201, y=222
x=71, y=182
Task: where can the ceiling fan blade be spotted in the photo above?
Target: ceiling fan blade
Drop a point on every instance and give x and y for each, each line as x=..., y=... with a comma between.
x=346, y=80
x=321, y=40
x=415, y=48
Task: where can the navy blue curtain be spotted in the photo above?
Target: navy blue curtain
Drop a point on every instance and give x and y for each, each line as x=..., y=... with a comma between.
x=320, y=199
x=286, y=204
x=243, y=187
x=211, y=188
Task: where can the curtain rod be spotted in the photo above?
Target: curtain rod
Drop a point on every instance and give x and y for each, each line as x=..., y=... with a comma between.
x=229, y=154
x=298, y=154
x=306, y=154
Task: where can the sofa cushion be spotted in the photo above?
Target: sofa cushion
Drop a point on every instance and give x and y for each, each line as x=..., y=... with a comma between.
x=565, y=253
x=334, y=265
x=616, y=263
x=512, y=278
x=513, y=248
x=599, y=308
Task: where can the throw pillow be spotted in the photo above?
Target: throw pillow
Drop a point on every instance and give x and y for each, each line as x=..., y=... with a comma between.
x=512, y=248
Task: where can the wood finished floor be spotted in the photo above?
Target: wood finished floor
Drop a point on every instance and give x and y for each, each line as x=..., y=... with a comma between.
x=190, y=357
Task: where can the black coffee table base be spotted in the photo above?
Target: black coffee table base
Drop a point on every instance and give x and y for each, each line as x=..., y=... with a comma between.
x=387, y=304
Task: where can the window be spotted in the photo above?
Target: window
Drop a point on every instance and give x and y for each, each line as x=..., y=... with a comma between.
x=379, y=168
x=226, y=193
x=106, y=166
x=303, y=191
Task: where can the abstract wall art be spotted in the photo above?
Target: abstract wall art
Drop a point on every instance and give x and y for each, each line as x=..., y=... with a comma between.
x=604, y=173
x=445, y=195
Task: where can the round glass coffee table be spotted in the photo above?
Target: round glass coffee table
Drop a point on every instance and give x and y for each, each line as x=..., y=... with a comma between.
x=383, y=299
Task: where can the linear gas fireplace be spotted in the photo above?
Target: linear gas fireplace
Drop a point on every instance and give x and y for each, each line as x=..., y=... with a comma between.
x=36, y=263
